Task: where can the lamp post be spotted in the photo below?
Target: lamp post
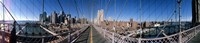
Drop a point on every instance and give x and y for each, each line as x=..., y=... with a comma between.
x=69, y=22
x=179, y=11
x=113, y=41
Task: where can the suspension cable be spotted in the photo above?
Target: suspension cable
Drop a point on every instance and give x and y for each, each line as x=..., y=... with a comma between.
x=8, y=11
x=20, y=9
x=148, y=17
x=3, y=13
x=30, y=10
x=152, y=11
x=60, y=5
x=140, y=17
x=107, y=7
x=168, y=20
x=76, y=5
x=167, y=6
x=122, y=9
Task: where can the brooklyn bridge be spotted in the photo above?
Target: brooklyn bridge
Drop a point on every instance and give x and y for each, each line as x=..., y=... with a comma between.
x=98, y=27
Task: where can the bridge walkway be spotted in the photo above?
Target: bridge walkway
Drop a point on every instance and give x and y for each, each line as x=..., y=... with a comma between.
x=195, y=39
x=50, y=31
x=91, y=35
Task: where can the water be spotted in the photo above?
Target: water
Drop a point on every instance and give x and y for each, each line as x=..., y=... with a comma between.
x=168, y=30
x=30, y=30
x=34, y=31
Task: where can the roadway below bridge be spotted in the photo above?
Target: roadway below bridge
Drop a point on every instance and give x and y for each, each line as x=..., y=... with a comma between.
x=90, y=35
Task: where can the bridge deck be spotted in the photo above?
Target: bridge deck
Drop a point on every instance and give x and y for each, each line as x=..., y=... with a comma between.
x=195, y=39
x=91, y=36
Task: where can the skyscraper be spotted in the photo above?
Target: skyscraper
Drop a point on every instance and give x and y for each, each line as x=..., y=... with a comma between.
x=67, y=18
x=54, y=17
x=43, y=17
x=133, y=24
x=48, y=19
x=62, y=17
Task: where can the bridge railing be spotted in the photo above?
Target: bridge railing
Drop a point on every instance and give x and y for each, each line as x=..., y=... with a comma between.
x=53, y=38
x=4, y=36
x=73, y=35
x=180, y=37
x=190, y=33
x=117, y=37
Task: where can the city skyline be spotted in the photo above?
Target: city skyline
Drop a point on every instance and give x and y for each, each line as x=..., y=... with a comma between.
x=159, y=10
x=99, y=21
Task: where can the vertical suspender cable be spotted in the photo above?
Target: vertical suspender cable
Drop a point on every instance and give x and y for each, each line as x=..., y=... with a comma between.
x=3, y=14
x=139, y=41
x=107, y=7
x=42, y=6
x=122, y=9
x=141, y=17
x=13, y=32
x=3, y=39
x=76, y=5
x=179, y=13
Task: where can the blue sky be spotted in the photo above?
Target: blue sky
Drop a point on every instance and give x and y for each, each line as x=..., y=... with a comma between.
x=151, y=10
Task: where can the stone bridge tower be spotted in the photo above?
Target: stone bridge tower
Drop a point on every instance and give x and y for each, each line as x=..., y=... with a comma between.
x=195, y=12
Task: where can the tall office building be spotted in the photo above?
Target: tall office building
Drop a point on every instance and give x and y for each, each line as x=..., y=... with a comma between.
x=54, y=17
x=195, y=12
x=48, y=19
x=43, y=17
x=133, y=24
x=67, y=18
x=61, y=17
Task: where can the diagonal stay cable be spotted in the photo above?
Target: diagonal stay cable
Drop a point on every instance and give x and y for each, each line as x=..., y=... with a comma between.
x=60, y=5
x=122, y=9
x=76, y=5
x=148, y=17
x=19, y=7
x=107, y=7
x=8, y=11
x=29, y=9
x=167, y=6
x=145, y=11
x=168, y=19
